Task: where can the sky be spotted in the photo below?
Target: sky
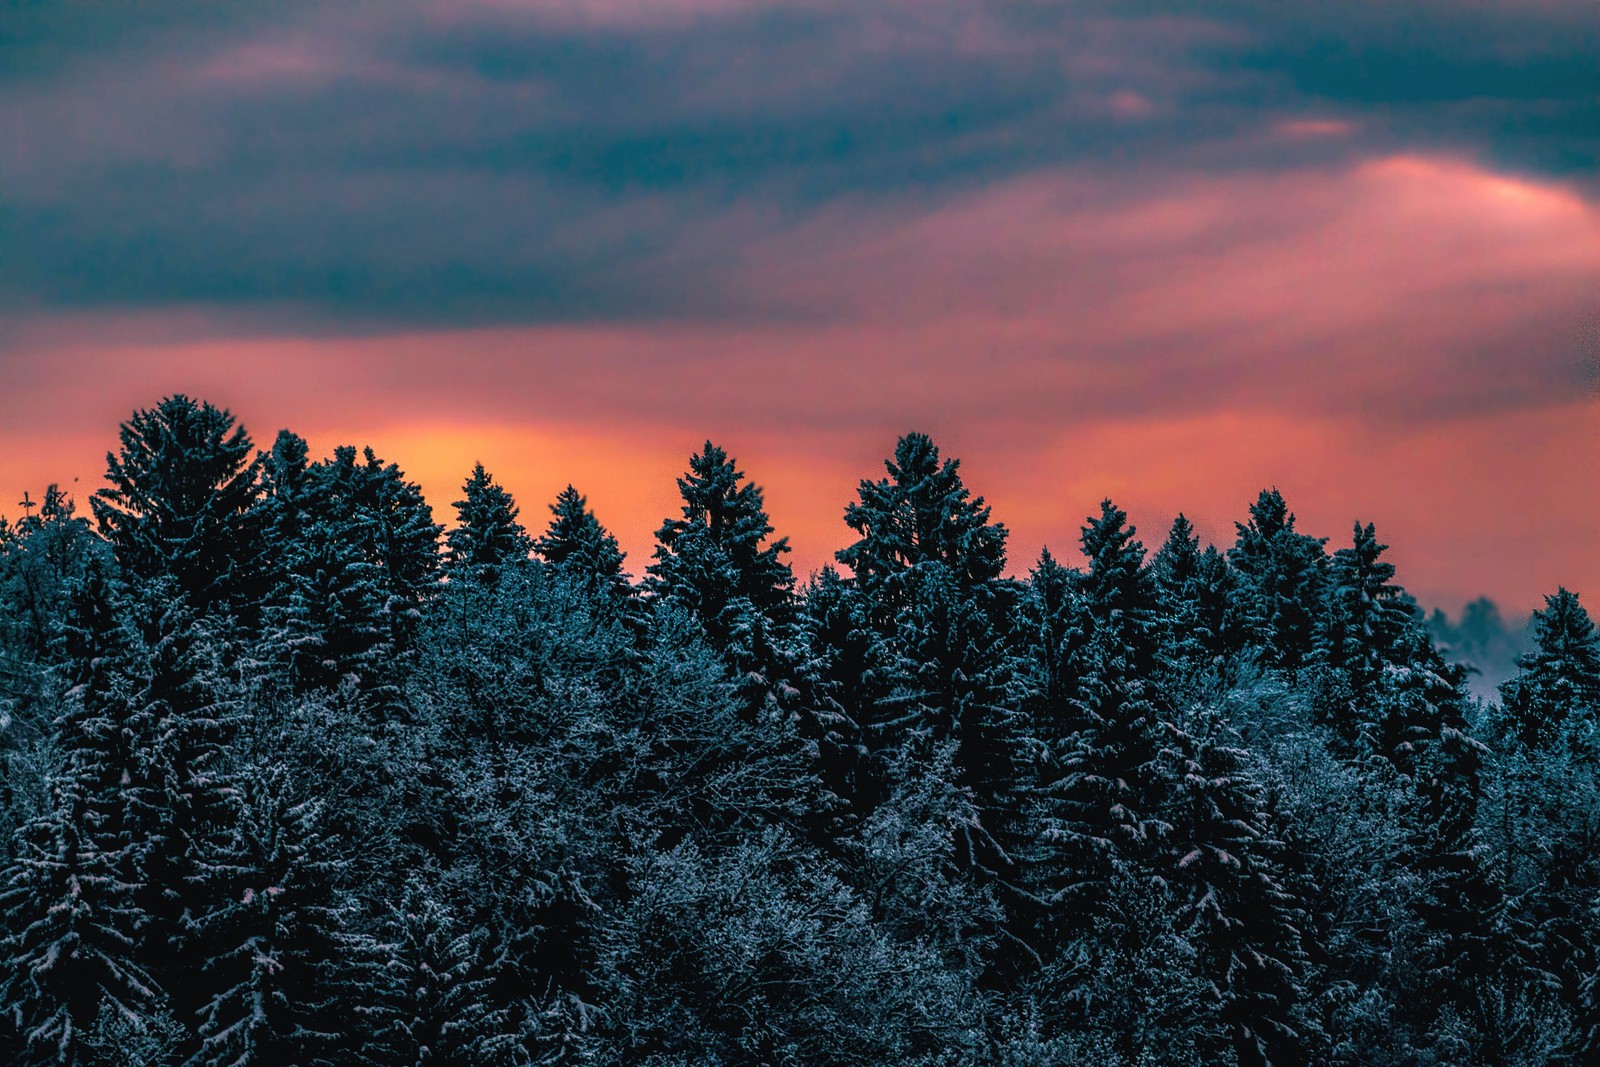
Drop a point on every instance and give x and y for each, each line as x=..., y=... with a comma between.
x=1171, y=253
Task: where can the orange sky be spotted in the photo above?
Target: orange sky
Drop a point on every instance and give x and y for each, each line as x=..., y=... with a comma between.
x=1352, y=339
x=1168, y=253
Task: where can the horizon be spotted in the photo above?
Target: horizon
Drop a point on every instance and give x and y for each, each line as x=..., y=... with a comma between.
x=1130, y=250
x=654, y=483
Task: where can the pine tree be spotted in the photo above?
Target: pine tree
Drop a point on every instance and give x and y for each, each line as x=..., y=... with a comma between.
x=576, y=541
x=922, y=513
x=70, y=907
x=488, y=534
x=1282, y=588
x=718, y=563
x=181, y=501
x=1557, y=689
x=1119, y=595
x=927, y=572
x=950, y=683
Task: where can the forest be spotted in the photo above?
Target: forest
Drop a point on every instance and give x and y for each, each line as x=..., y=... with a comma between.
x=292, y=772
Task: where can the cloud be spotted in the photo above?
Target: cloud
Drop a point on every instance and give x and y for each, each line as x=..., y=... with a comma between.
x=454, y=164
x=1159, y=244
x=1391, y=289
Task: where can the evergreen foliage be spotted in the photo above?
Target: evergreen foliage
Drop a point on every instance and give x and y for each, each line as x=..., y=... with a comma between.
x=284, y=782
x=575, y=540
x=717, y=561
x=180, y=502
x=487, y=533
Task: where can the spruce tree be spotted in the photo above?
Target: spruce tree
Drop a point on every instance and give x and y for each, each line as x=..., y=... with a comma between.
x=718, y=561
x=354, y=576
x=1547, y=819
x=487, y=534
x=1202, y=637
x=270, y=933
x=941, y=667
x=1224, y=859
x=1281, y=591
x=577, y=542
x=434, y=1001
x=187, y=715
x=1101, y=785
x=838, y=641
x=181, y=502
x=1368, y=628
x=921, y=513
x=71, y=901
x=1057, y=631
x=1557, y=689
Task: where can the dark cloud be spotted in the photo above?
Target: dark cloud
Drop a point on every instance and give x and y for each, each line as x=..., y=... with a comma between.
x=358, y=165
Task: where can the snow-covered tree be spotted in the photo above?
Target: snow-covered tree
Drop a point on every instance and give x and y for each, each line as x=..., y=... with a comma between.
x=1557, y=689
x=71, y=916
x=181, y=504
x=921, y=513
x=718, y=561
x=355, y=572
x=487, y=533
x=576, y=541
x=1281, y=591
x=270, y=930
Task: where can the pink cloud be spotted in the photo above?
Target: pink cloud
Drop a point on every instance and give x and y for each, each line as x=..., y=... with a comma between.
x=1401, y=342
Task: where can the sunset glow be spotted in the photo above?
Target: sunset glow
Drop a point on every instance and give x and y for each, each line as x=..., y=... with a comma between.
x=1384, y=307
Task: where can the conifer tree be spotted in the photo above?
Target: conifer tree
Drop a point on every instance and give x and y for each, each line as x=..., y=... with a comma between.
x=70, y=902
x=575, y=540
x=718, y=562
x=1201, y=634
x=941, y=668
x=187, y=717
x=1119, y=596
x=1369, y=627
x=48, y=562
x=1057, y=631
x=488, y=534
x=1281, y=591
x=355, y=575
x=1558, y=685
x=927, y=566
x=434, y=1002
x=1224, y=859
x=181, y=501
x=950, y=686
x=1102, y=786
x=270, y=933
x=1547, y=819
x=838, y=640
x=921, y=513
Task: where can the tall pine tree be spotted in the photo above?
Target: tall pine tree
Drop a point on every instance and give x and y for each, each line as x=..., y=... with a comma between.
x=181, y=504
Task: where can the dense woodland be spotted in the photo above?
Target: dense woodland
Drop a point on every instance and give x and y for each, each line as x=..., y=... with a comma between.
x=292, y=775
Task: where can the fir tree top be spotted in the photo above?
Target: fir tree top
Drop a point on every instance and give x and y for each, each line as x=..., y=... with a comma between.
x=922, y=513
x=488, y=533
x=180, y=497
